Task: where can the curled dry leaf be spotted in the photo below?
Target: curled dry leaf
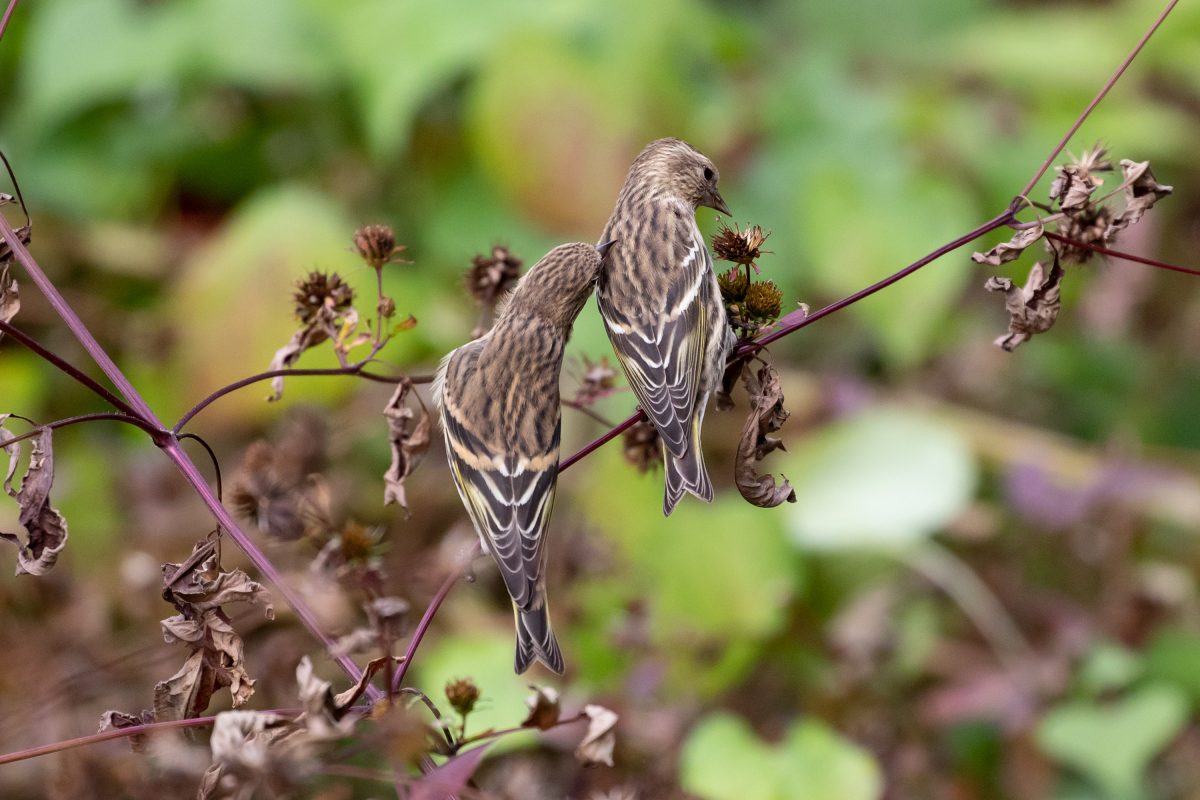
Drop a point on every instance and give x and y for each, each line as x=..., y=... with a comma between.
x=408, y=431
x=245, y=758
x=544, y=711
x=1032, y=308
x=1075, y=183
x=767, y=415
x=10, y=295
x=1142, y=191
x=217, y=659
x=45, y=528
x=601, y=737
x=1012, y=249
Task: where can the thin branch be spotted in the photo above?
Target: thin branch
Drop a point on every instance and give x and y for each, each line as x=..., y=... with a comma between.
x=103, y=415
x=1104, y=90
x=479, y=737
x=587, y=410
x=65, y=367
x=1150, y=262
x=68, y=315
x=427, y=618
x=212, y=457
x=357, y=370
x=8, y=12
x=595, y=444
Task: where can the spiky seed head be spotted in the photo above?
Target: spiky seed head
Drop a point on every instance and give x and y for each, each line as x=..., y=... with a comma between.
x=764, y=301
x=733, y=284
x=319, y=291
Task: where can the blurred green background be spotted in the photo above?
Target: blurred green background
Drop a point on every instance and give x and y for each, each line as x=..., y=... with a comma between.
x=988, y=586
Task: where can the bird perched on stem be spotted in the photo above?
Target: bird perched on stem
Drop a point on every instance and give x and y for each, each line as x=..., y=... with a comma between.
x=499, y=403
x=661, y=304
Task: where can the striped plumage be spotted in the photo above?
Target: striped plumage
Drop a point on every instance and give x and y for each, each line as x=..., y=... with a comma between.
x=499, y=403
x=661, y=305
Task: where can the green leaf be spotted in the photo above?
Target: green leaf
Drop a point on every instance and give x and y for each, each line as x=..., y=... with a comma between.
x=722, y=759
x=884, y=479
x=1174, y=656
x=1113, y=744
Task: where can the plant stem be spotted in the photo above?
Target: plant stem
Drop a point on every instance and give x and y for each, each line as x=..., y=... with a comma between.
x=65, y=367
x=1150, y=262
x=63, y=423
x=427, y=618
x=358, y=370
x=8, y=12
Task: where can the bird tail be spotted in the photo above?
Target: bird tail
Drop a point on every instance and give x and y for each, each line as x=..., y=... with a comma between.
x=686, y=472
x=535, y=639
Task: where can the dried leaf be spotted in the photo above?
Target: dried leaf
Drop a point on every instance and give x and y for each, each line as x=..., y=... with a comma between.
x=116, y=720
x=448, y=780
x=217, y=659
x=349, y=697
x=544, y=711
x=10, y=296
x=1073, y=187
x=601, y=737
x=767, y=415
x=242, y=754
x=1141, y=194
x=1012, y=249
x=45, y=528
x=13, y=451
x=408, y=431
x=1032, y=308
x=24, y=233
x=286, y=356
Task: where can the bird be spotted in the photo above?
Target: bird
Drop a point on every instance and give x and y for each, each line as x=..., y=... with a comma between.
x=498, y=399
x=661, y=305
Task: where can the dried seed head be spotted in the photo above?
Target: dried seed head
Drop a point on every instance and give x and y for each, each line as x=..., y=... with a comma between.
x=642, y=447
x=1090, y=226
x=738, y=246
x=319, y=291
x=463, y=694
x=764, y=301
x=376, y=245
x=489, y=278
x=387, y=307
x=733, y=284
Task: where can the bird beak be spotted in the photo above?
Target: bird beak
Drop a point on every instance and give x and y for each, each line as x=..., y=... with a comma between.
x=604, y=247
x=718, y=203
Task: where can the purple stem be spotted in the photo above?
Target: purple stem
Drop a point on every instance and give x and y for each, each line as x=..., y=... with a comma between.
x=170, y=445
x=8, y=12
x=1150, y=262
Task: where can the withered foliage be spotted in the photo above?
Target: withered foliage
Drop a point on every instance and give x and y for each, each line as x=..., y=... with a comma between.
x=544, y=710
x=409, y=435
x=767, y=416
x=276, y=486
x=325, y=308
x=324, y=305
x=601, y=737
x=45, y=528
x=642, y=446
x=1078, y=215
x=1032, y=308
x=599, y=379
x=199, y=589
x=10, y=295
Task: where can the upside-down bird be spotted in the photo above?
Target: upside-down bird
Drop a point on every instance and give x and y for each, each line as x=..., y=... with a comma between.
x=499, y=403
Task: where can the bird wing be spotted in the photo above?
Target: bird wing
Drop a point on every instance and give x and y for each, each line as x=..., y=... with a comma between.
x=663, y=352
x=508, y=495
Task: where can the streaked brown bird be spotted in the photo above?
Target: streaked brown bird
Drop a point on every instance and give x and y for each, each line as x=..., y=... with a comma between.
x=661, y=305
x=499, y=403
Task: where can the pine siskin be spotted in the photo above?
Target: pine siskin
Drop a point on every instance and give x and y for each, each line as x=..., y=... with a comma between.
x=499, y=403
x=661, y=304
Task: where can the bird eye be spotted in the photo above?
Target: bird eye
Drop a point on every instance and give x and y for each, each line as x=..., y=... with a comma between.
x=708, y=173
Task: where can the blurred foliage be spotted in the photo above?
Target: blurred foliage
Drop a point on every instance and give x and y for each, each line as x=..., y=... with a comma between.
x=187, y=161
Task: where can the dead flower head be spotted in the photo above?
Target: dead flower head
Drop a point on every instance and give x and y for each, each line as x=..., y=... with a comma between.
x=490, y=277
x=740, y=247
x=319, y=291
x=764, y=301
x=376, y=245
x=642, y=447
x=733, y=284
x=463, y=694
